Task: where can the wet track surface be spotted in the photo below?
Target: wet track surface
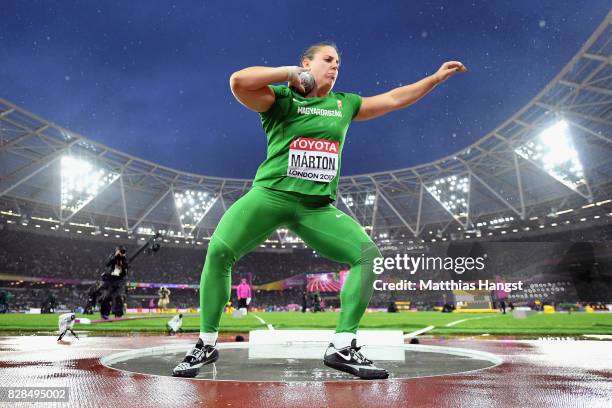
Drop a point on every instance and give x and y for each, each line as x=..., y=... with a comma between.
x=534, y=373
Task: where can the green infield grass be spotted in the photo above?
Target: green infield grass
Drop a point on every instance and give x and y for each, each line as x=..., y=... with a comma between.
x=556, y=324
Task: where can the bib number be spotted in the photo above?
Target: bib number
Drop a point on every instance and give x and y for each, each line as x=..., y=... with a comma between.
x=313, y=159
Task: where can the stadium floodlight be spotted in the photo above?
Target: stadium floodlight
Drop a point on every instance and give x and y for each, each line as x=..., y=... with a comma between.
x=192, y=207
x=145, y=231
x=81, y=182
x=286, y=237
x=553, y=151
x=496, y=221
x=370, y=199
x=348, y=200
x=452, y=193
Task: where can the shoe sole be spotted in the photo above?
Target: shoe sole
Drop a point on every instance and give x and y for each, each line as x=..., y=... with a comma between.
x=193, y=371
x=363, y=373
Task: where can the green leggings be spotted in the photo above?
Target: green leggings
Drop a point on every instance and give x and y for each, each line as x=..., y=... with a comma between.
x=329, y=231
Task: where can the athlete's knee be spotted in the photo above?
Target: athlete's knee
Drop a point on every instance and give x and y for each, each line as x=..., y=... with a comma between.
x=368, y=253
x=371, y=251
x=219, y=254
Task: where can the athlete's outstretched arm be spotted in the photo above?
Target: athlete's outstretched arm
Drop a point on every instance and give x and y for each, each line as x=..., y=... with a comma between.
x=250, y=85
x=398, y=98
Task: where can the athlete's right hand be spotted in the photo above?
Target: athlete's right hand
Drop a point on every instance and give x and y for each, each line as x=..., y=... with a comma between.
x=293, y=77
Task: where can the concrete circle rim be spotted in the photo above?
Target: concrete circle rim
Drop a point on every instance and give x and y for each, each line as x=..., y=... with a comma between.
x=106, y=361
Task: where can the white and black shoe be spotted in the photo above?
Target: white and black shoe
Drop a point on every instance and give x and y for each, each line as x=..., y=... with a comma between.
x=198, y=356
x=350, y=360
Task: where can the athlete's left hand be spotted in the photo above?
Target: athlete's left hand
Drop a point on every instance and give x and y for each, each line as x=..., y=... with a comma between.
x=448, y=69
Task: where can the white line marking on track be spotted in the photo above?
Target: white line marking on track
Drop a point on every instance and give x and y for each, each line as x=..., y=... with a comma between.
x=270, y=327
x=469, y=318
x=417, y=332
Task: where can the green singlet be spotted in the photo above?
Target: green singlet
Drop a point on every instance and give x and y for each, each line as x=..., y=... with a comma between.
x=294, y=188
x=305, y=140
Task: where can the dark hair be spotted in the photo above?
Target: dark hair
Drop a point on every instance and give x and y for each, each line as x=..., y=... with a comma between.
x=314, y=48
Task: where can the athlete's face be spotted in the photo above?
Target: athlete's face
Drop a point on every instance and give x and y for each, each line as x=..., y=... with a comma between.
x=324, y=66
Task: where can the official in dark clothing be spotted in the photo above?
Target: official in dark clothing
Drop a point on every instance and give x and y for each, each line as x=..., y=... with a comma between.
x=93, y=293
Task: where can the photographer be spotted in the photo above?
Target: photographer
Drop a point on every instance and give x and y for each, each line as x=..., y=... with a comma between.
x=113, y=288
x=164, y=297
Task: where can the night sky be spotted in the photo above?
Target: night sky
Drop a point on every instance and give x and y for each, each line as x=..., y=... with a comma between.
x=151, y=78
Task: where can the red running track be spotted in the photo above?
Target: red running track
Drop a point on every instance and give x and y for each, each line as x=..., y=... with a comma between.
x=549, y=373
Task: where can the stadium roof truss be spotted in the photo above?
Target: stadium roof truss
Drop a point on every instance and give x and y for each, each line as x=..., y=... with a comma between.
x=553, y=153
